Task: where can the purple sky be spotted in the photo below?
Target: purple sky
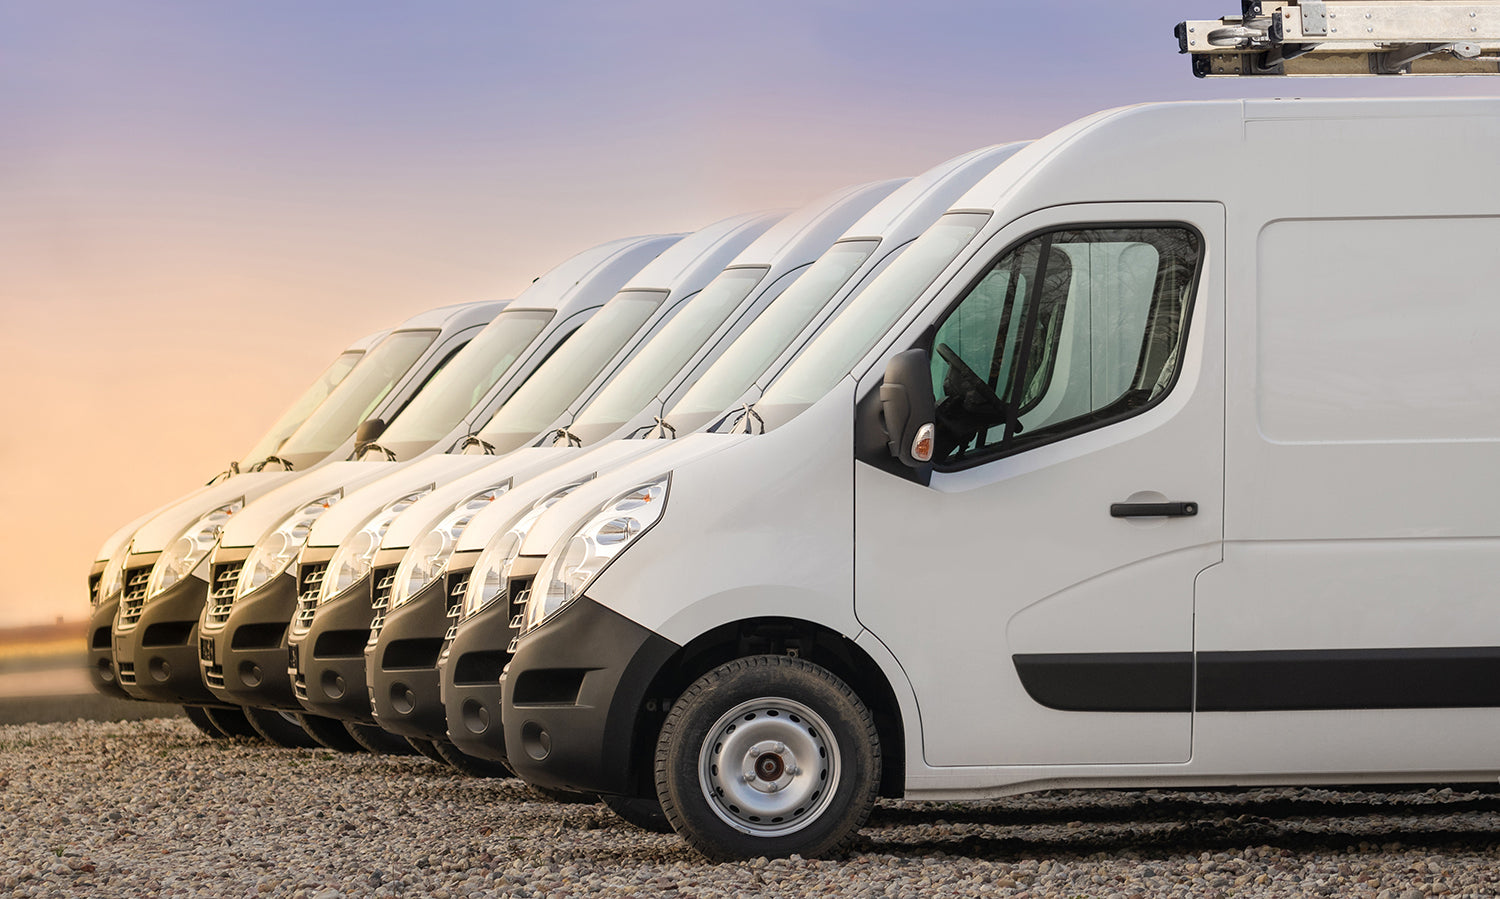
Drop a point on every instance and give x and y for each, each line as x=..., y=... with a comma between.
x=201, y=203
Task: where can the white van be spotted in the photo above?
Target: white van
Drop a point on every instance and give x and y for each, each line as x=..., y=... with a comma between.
x=251, y=585
x=104, y=599
x=1174, y=476
x=486, y=575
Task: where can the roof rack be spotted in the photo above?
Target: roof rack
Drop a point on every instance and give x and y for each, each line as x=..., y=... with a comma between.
x=1347, y=37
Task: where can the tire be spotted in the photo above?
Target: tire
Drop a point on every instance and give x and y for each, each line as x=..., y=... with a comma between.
x=279, y=728
x=232, y=722
x=378, y=741
x=643, y=812
x=199, y=716
x=768, y=756
x=464, y=763
x=426, y=748
x=329, y=732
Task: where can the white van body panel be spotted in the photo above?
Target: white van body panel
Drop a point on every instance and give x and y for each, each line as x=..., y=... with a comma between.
x=358, y=506
x=1333, y=417
x=258, y=518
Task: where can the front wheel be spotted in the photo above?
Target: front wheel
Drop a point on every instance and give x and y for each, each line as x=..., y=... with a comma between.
x=768, y=756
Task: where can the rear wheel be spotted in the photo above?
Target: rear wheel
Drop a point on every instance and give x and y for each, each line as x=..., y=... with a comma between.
x=199, y=716
x=426, y=748
x=768, y=755
x=329, y=732
x=232, y=722
x=377, y=740
x=464, y=763
x=280, y=728
x=643, y=812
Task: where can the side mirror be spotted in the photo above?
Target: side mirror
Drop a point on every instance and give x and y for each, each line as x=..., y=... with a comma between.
x=368, y=432
x=908, y=407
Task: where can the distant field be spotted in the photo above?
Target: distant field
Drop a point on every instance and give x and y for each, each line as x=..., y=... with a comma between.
x=43, y=679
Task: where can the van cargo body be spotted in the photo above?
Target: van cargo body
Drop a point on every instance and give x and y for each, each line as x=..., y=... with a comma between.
x=242, y=649
x=1173, y=477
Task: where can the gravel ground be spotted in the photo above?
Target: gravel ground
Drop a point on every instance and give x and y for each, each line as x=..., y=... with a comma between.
x=154, y=808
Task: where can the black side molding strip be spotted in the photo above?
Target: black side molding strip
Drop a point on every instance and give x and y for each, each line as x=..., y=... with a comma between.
x=1262, y=681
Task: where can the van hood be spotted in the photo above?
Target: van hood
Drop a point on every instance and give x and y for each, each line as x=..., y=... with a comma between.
x=360, y=505
x=165, y=526
x=270, y=509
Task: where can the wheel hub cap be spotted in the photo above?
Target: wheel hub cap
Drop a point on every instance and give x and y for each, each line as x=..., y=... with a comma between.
x=769, y=767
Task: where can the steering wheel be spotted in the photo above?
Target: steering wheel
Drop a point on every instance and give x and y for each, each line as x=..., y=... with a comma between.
x=973, y=384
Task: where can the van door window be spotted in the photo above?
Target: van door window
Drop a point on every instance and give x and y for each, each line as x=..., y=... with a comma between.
x=1068, y=331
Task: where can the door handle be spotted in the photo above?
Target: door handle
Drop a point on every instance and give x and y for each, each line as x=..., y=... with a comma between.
x=1153, y=510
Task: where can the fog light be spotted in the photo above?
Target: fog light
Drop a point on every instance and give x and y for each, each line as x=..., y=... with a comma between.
x=250, y=674
x=160, y=670
x=403, y=699
x=333, y=685
x=476, y=716
x=107, y=671
x=535, y=740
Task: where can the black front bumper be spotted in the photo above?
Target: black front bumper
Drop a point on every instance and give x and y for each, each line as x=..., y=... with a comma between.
x=102, y=650
x=328, y=678
x=402, y=665
x=161, y=648
x=574, y=698
x=244, y=662
x=470, y=676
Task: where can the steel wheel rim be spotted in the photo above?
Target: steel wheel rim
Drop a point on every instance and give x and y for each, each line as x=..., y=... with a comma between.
x=769, y=767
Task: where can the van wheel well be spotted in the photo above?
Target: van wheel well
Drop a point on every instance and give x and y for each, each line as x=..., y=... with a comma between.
x=773, y=636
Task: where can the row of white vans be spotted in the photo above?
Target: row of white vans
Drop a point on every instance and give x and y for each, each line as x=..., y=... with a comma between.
x=1155, y=451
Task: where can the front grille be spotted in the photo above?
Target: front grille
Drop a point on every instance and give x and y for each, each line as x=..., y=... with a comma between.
x=94, y=580
x=133, y=599
x=213, y=675
x=127, y=672
x=380, y=600
x=309, y=585
x=520, y=592
x=222, y=583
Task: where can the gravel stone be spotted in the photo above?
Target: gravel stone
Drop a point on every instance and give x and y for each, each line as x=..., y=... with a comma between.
x=155, y=808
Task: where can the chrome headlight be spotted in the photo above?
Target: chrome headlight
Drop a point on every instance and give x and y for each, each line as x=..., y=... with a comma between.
x=352, y=560
x=427, y=560
x=276, y=550
x=190, y=548
x=573, y=564
x=112, y=580
x=491, y=576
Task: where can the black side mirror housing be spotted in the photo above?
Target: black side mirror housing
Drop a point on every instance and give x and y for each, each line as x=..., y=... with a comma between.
x=368, y=432
x=908, y=409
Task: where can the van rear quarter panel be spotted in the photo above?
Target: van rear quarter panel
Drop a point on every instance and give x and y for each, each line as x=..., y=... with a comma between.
x=1363, y=434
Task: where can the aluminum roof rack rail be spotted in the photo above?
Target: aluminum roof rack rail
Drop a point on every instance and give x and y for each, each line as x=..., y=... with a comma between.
x=1347, y=37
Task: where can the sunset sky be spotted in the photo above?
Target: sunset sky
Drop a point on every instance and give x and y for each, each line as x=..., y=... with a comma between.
x=201, y=203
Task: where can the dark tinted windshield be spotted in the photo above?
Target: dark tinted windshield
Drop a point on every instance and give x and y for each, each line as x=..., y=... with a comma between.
x=447, y=398
x=303, y=407
x=772, y=331
x=357, y=397
x=559, y=380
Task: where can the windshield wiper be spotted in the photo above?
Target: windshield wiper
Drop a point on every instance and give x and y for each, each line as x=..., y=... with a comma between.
x=565, y=434
x=473, y=440
x=285, y=464
x=746, y=412
x=231, y=471
x=360, y=451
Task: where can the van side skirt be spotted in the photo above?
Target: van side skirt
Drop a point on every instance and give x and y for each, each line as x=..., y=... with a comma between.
x=1264, y=680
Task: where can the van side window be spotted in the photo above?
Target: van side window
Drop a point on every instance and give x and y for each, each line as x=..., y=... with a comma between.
x=1068, y=331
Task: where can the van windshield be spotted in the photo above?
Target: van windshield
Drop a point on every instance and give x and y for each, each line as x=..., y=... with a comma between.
x=358, y=395
x=772, y=332
x=559, y=380
x=643, y=377
x=444, y=400
x=293, y=417
x=831, y=356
